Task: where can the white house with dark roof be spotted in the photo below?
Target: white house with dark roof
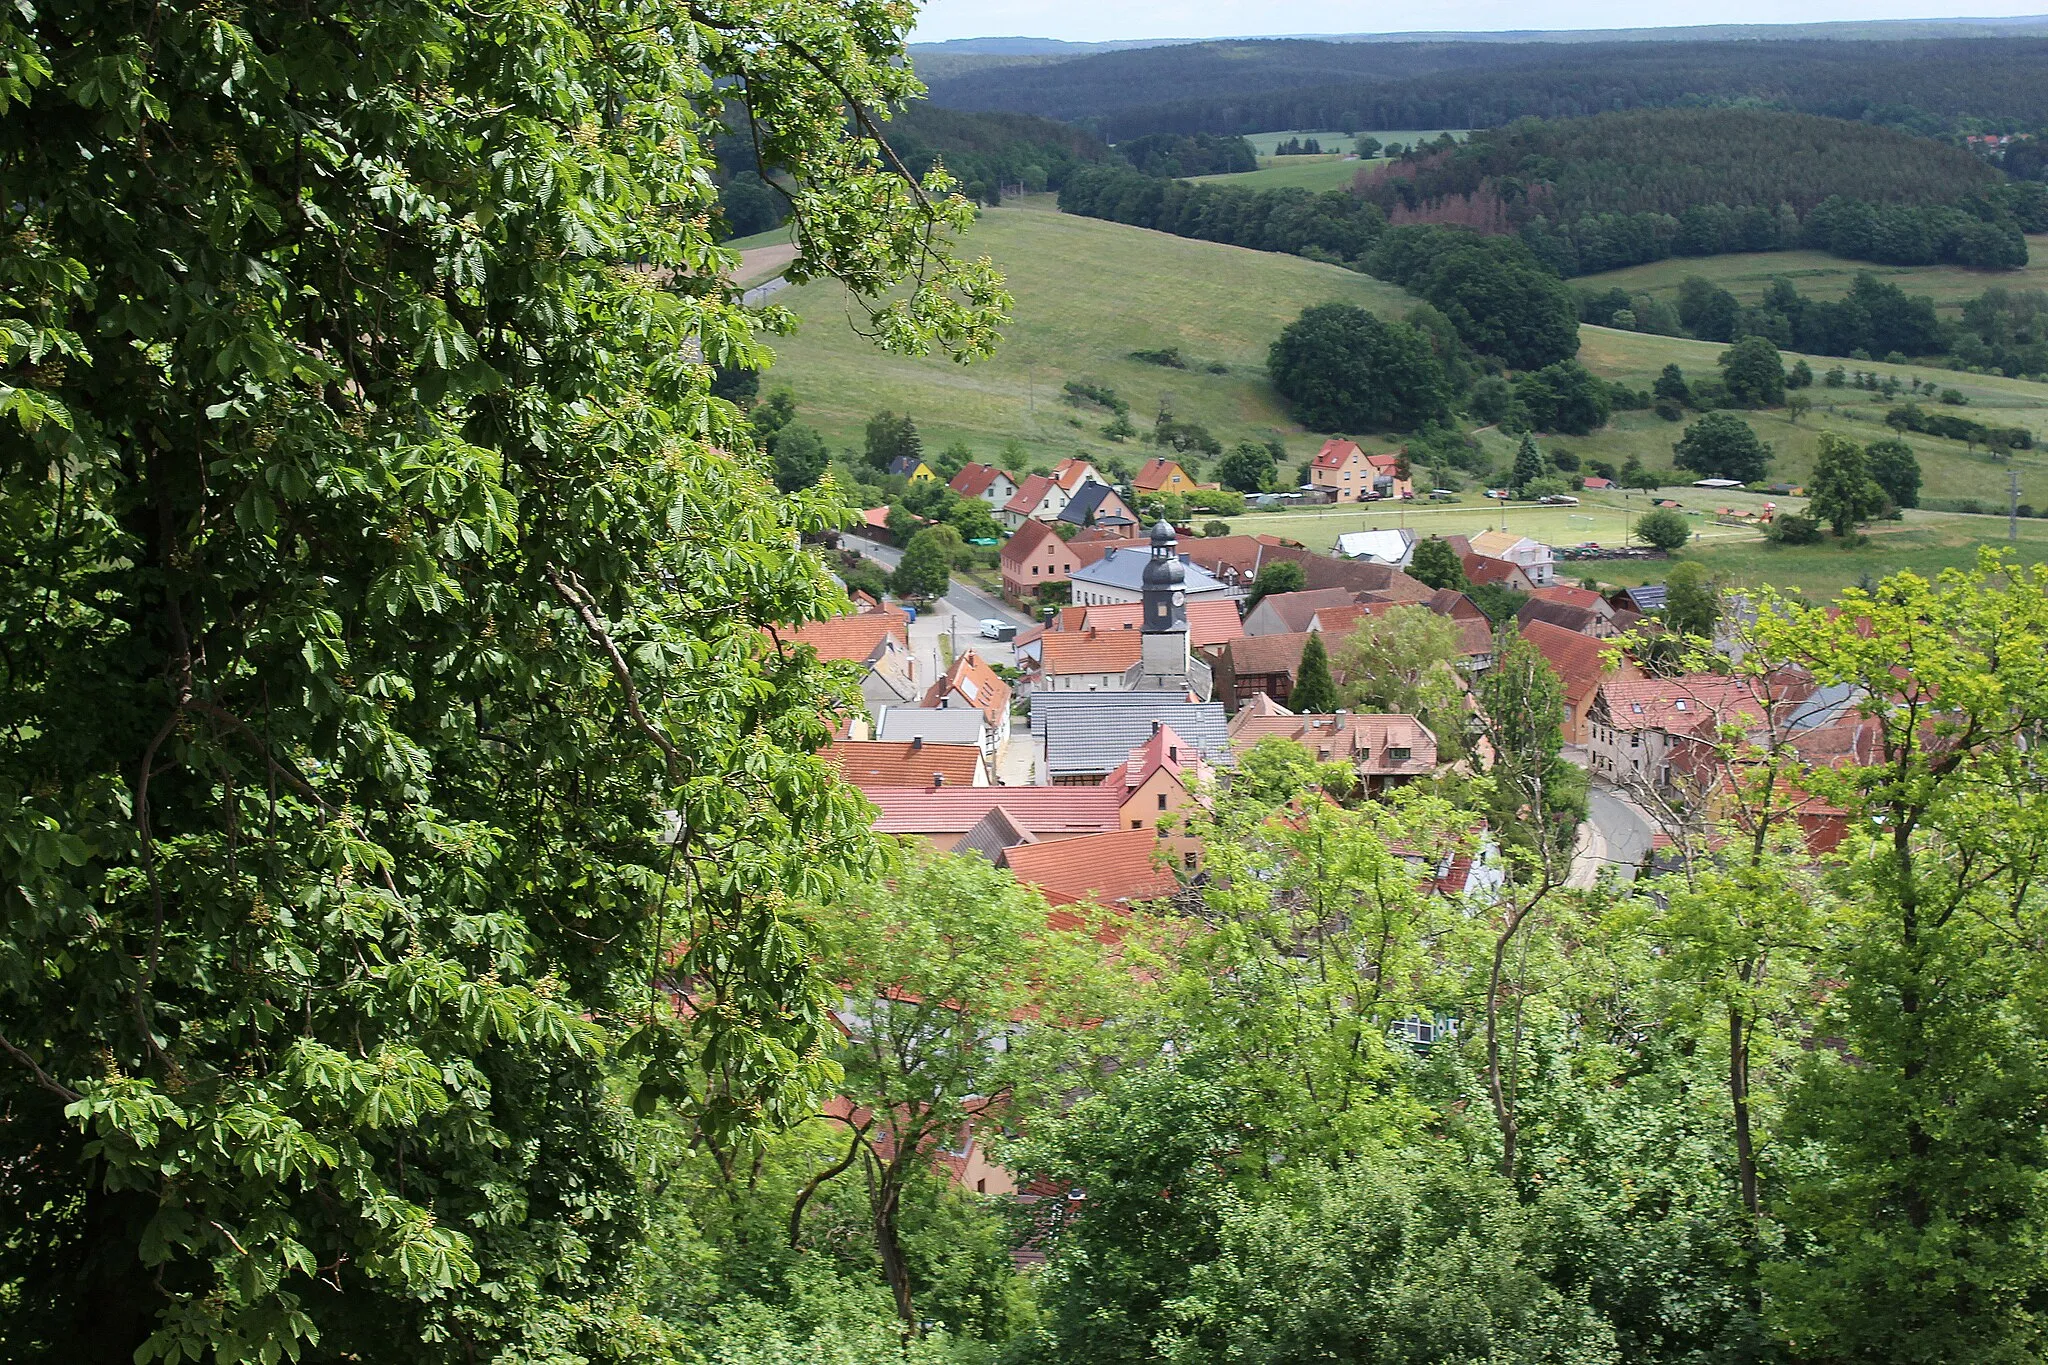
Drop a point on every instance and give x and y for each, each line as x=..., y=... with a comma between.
x=1119, y=576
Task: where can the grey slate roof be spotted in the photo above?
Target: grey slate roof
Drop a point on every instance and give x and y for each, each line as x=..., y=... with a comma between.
x=996, y=832
x=932, y=724
x=1092, y=732
x=1087, y=499
x=1125, y=568
x=1646, y=599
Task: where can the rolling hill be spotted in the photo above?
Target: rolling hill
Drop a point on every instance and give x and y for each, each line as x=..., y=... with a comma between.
x=1088, y=294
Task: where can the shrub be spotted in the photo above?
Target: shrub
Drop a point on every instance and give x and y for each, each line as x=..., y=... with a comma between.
x=1664, y=529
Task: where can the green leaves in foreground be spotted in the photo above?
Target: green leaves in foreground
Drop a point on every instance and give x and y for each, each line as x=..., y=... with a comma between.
x=388, y=718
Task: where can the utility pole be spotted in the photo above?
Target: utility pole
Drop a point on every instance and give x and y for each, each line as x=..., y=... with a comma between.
x=2012, y=517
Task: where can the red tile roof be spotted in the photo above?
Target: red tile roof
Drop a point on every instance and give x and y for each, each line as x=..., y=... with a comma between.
x=1210, y=622
x=856, y=637
x=1028, y=540
x=903, y=763
x=1242, y=553
x=1692, y=703
x=1570, y=596
x=1258, y=654
x=1480, y=570
x=1366, y=738
x=1109, y=869
x=1335, y=454
x=1165, y=749
x=1029, y=494
x=1575, y=658
x=976, y=684
x=955, y=810
x=1295, y=608
x=1157, y=473
x=1089, y=651
x=1071, y=474
x=973, y=480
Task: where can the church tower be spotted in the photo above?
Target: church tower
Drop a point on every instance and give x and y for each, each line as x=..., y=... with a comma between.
x=1165, y=644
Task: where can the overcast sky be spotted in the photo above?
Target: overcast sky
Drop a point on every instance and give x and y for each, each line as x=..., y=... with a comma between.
x=1102, y=20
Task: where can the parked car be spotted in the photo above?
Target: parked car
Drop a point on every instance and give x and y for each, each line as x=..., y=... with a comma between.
x=992, y=629
x=1559, y=500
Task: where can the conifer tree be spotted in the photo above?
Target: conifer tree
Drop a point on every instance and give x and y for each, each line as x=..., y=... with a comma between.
x=1315, y=692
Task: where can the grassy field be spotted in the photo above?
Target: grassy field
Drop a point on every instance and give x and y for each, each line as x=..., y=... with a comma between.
x=1598, y=518
x=1820, y=276
x=1295, y=173
x=1264, y=143
x=1949, y=468
x=1088, y=294
x=1331, y=172
x=1924, y=542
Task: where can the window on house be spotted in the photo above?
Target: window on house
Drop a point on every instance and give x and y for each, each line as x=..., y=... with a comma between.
x=1162, y=800
x=1187, y=860
x=1034, y=571
x=1635, y=741
x=1397, y=755
x=1137, y=824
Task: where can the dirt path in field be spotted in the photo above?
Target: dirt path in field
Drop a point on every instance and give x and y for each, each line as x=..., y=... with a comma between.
x=762, y=262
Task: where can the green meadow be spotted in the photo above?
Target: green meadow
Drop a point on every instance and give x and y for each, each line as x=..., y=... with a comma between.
x=1089, y=293
x=1819, y=276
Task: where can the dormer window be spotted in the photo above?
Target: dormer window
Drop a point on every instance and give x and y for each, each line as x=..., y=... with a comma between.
x=1681, y=703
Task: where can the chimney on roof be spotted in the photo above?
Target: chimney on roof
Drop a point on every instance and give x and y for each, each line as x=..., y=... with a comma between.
x=1155, y=726
x=938, y=781
x=916, y=743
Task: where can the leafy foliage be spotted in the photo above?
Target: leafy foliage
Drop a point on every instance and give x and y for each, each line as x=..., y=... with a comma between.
x=1723, y=446
x=1342, y=369
x=389, y=705
x=1663, y=529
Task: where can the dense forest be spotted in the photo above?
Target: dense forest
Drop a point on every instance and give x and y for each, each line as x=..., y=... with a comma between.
x=1596, y=194
x=1244, y=87
x=1175, y=154
x=1620, y=189
x=986, y=153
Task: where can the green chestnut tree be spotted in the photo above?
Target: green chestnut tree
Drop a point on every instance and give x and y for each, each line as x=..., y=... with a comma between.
x=393, y=706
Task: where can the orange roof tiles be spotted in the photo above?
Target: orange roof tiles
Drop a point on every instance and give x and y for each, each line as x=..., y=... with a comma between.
x=1157, y=473
x=1029, y=539
x=903, y=763
x=975, y=683
x=974, y=479
x=1210, y=622
x=1335, y=454
x=1029, y=494
x=954, y=810
x=1368, y=738
x=1071, y=474
x=1088, y=651
x=1109, y=869
x=856, y=637
x=1570, y=596
x=1688, y=704
x=1575, y=658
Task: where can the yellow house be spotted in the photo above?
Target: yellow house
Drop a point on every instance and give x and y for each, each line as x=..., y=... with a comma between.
x=1162, y=476
x=917, y=471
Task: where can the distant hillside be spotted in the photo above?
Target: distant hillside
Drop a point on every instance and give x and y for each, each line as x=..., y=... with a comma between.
x=1252, y=86
x=1088, y=294
x=1669, y=160
x=986, y=151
